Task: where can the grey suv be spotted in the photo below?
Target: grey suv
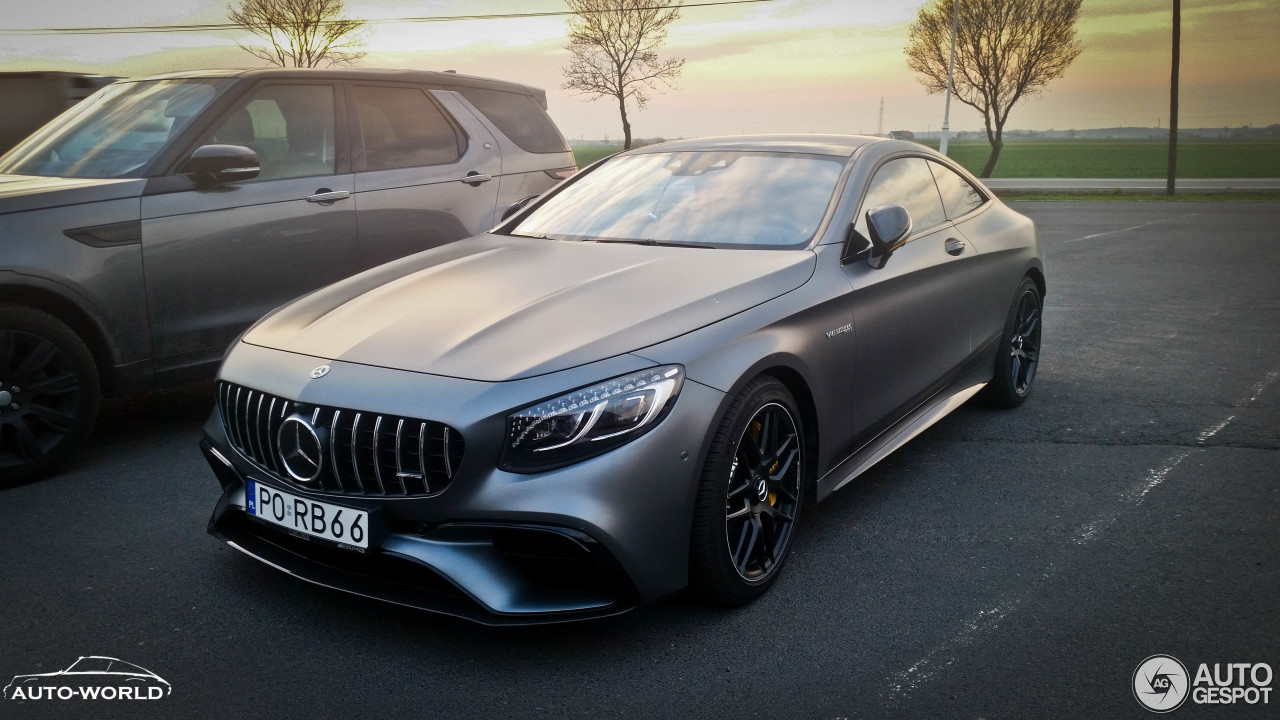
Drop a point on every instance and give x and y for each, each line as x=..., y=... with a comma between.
x=144, y=229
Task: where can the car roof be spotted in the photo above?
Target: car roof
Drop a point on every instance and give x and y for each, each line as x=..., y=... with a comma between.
x=839, y=145
x=447, y=77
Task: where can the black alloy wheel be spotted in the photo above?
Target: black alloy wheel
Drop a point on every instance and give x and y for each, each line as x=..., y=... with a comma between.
x=1024, y=348
x=1018, y=355
x=750, y=496
x=48, y=394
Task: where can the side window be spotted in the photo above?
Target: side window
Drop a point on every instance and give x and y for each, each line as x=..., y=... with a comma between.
x=906, y=182
x=402, y=127
x=289, y=126
x=958, y=195
x=519, y=117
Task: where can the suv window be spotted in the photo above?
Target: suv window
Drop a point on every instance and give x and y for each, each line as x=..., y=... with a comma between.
x=519, y=117
x=959, y=196
x=402, y=127
x=116, y=132
x=289, y=126
x=906, y=182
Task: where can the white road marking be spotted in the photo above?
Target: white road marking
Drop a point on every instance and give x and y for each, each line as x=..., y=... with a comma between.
x=904, y=683
x=1214, y=430
x=908, y=681
x=1133, y=227
x=1266, y=382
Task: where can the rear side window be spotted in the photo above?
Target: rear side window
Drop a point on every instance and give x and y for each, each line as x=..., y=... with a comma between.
x=958, y=195
x=519, y=117
x=906, y=182
x=401, y=127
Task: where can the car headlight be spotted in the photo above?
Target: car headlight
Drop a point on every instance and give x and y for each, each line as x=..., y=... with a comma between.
x=590, y=421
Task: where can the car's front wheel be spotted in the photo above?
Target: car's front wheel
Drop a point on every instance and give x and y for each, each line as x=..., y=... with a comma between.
x=749, y=497
x=48, y=394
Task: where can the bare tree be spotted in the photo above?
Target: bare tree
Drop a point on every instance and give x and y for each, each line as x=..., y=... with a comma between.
x=302, y=33
x=1006, y=50
x=614, y=51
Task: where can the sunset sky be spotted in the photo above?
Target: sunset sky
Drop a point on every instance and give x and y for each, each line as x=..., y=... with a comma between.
x=775, y=66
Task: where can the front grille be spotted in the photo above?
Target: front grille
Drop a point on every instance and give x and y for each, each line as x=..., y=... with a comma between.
x=365, y=453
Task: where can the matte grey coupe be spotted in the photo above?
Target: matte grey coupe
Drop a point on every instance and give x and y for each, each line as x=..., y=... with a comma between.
x=631, y=386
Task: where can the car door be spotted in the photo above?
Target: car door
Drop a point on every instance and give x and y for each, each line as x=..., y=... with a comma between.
x=990, y=237
x=907, y=314
x=426, y=169
x=218, y=258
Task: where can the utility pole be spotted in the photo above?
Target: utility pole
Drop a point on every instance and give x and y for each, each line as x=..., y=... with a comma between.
x=951, y=69
x=1173, y=98
x=880, y=123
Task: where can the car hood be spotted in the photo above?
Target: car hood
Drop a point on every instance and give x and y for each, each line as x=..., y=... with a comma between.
x=498, y=308
x=19, y=193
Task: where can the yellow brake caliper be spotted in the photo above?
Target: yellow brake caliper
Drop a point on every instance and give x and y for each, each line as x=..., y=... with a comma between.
x=755, y=435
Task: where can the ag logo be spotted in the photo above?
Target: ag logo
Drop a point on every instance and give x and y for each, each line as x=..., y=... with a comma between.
x=1160, y=683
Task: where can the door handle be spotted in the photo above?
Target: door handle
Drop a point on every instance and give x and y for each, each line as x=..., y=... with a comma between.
x=325, y=196
x=474, y=178
x=954, y=246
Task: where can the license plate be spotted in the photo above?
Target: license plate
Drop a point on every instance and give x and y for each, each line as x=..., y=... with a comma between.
x=342, y=525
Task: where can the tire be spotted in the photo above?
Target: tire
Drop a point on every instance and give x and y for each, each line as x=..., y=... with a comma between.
x=1018, y=355
x=50, y=392
x=749, y=496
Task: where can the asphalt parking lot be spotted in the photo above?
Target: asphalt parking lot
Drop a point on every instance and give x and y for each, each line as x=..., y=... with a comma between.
x=1004, y=564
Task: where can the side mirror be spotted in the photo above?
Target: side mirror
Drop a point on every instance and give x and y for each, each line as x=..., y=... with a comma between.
x=517, y=206
x=889, y=227
x=221, y=164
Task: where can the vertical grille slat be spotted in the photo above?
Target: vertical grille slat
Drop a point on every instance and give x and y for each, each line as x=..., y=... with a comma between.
x=377, y=466
x=261, y=426
x=444, y=441
x=369, y=454
x=355, y=451
x=333, y=447
x=422, y=457
x=273, y=452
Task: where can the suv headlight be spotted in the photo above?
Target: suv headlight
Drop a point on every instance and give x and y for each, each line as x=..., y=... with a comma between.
x=590, y=421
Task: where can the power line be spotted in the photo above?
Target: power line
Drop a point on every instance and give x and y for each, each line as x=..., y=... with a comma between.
x=216, y=27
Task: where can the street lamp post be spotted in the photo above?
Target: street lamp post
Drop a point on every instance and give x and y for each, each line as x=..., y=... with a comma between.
x=951, y=68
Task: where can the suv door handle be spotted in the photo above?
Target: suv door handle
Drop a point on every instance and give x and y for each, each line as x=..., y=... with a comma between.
x=474, y=178
x=954, y=246
x=325, y=196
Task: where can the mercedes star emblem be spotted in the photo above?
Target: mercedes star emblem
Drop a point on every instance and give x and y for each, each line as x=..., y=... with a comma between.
x=301, y=449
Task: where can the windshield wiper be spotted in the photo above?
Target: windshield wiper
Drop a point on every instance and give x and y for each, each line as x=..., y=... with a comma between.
x=651, y=243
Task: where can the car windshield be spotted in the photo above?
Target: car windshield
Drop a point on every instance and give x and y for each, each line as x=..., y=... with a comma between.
x=712, y=198
x=115, y=132
x=90, y=665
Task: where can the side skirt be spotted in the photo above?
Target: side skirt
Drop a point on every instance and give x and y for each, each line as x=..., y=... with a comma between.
x=897, y=435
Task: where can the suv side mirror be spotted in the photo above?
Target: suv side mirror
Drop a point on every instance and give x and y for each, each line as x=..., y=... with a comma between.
x=221, y=164
x=889, y=227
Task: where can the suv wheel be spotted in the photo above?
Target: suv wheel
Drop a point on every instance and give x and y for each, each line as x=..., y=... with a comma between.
x=48, y=394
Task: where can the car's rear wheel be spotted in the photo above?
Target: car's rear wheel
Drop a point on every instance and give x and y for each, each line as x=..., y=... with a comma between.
x=749, y=497
x=48, y=394
x=1018, y=356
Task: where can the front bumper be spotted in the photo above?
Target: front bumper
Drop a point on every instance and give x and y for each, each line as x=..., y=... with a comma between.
x=593, y=539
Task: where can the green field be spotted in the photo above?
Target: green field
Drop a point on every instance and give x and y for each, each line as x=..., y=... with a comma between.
x=1096, y=158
